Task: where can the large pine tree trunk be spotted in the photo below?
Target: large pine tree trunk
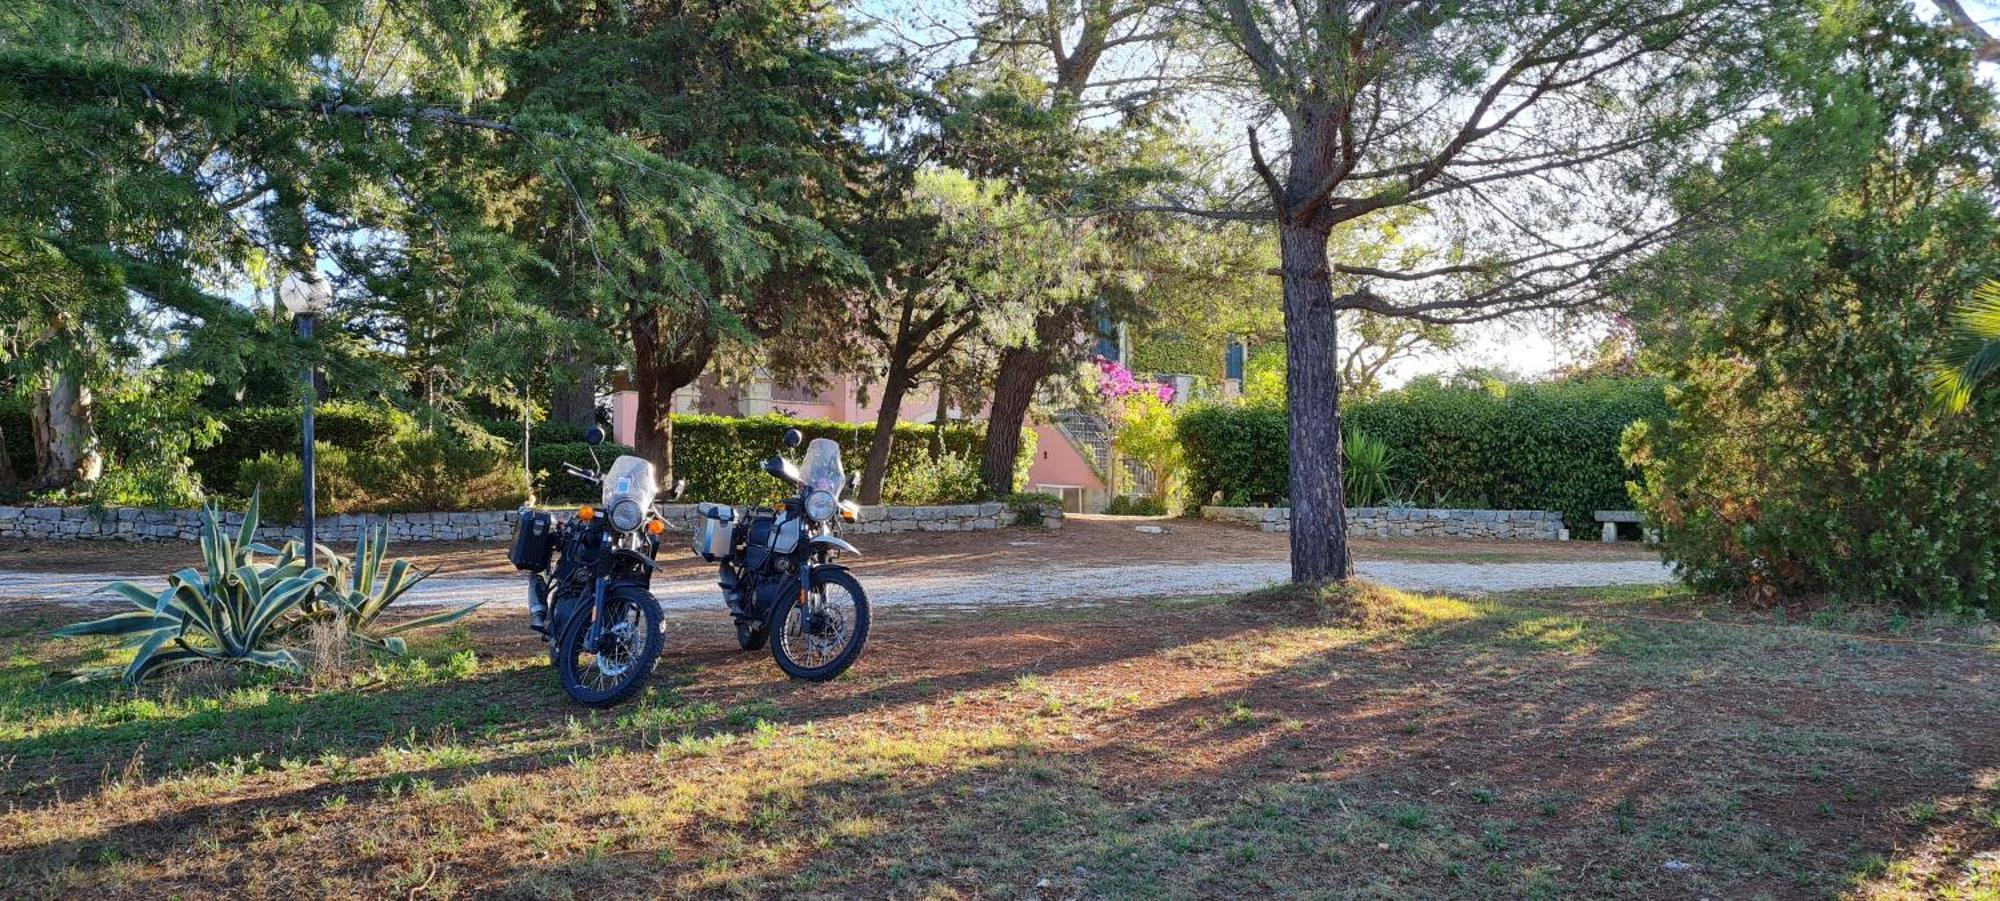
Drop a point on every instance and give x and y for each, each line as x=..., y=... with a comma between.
x=893, y=389
x=66, y=450
x=574, y=402
x=660, y=368
x=1312, y=392
x=1021, y=372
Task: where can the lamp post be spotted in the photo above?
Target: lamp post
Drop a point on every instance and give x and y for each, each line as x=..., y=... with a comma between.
x=306, y=295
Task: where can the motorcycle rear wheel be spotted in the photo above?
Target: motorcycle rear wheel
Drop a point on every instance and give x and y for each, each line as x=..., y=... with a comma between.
x=820, y=641
x=616, y=668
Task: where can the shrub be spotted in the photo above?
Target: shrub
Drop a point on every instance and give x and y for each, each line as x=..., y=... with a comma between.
x=1028, y=506
x=946, y=479
x=1135, y=505
x=442, y=470
x=249, y=432
x=1146, y=434
x=1537, y=447
x=18, y=453
x=280, y=479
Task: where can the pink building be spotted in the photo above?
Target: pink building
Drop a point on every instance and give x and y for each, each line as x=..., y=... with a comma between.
x=1060, y=467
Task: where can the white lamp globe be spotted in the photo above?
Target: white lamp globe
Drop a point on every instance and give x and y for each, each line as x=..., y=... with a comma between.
x=306, y=294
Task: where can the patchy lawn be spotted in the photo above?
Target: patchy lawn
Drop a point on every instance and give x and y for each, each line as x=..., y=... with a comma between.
x=1545, y=745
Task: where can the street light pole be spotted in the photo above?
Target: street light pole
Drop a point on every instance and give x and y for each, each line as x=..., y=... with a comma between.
x=306, y=295
x=311, y=507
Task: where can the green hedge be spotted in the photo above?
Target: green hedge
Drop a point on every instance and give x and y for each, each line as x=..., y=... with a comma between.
x=251, y=431
x=717, y=455
x=1535, y=447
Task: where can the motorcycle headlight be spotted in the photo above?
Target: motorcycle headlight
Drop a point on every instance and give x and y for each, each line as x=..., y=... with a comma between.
x=626, y=515
x=821, y=506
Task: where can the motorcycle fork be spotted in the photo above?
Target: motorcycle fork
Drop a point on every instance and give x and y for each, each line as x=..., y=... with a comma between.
x=597, y=614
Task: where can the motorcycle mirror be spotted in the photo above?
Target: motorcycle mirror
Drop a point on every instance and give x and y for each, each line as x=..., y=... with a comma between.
x=793, y=438
x=680, y=488
x=593, y=436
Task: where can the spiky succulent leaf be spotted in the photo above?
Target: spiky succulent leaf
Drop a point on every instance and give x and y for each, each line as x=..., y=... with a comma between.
x=434, y=619
x=135, y=621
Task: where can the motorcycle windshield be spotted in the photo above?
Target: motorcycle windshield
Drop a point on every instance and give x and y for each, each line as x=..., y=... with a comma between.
x=630, y=477
x=821, y=469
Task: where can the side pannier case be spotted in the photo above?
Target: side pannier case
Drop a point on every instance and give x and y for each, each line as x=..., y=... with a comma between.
x=714, y=527
x=534, y=541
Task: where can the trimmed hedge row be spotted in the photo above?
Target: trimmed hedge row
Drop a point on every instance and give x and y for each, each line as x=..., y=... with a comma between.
x=717, y=455
x=1536, y=447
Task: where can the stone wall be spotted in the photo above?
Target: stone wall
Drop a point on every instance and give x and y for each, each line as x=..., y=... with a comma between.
x=136, y=524
x=1405, y=522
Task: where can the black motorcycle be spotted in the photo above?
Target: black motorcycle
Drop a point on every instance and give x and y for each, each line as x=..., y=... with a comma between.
x=778, y=574
x=596, y=608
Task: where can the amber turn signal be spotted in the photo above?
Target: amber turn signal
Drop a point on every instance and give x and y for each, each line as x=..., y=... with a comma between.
x=656, y=526
x=586, y=513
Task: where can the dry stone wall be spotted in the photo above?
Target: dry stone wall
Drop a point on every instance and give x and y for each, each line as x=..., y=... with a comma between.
x=1405, y=522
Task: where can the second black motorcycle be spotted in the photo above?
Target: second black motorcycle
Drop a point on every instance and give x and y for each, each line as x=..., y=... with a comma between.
x=779, y=572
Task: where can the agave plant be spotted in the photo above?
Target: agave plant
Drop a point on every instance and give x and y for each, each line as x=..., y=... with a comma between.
x=232, y=613
x=357, y=591
x=1365, y=470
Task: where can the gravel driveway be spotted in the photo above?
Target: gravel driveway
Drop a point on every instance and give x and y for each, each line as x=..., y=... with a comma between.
x=1028, y=585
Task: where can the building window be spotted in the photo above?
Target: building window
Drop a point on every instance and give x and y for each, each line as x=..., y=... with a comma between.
x=1072, y=496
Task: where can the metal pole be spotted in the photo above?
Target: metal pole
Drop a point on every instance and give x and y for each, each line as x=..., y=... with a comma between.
x=306, y=457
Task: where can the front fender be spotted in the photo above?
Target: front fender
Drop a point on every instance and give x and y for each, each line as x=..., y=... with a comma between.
x=834, y=542
x=820, y=571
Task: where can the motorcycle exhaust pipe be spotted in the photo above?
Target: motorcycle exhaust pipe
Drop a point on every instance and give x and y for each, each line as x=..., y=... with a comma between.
x=538, y=603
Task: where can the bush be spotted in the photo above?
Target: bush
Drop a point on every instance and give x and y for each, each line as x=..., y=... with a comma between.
x=248, y=432
x=18, y=452
x=718, y=456
x=1532, y=447
x=1146, y=435
x=280, y=477
x=1135, y=505
x=441, y=470
x=948, y=479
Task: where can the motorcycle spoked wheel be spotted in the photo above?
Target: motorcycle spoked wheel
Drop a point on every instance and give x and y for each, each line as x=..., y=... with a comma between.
x=617, y=666
x=821, y=639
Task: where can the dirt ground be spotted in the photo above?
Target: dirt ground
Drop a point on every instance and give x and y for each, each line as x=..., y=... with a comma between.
x=1083, y=540
x=1555, y=745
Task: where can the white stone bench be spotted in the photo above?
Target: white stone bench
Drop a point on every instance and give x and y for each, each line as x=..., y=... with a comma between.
x=1611, y=518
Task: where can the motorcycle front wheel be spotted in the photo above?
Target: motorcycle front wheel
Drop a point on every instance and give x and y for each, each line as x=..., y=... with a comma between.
x=821, y=638
x=614, y=666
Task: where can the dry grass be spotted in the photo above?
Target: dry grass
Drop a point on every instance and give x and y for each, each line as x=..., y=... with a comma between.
x=1360, y=742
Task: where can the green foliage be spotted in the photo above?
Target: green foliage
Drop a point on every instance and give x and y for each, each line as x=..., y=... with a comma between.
x=1172, y=354
x=1805, y=456
x=718, y=456
x=1538, y=447
x=1365, y=468
x=443, y=470
x=1134, y=505
x=279, y=477
x=1971, y=361
x=150, y=423
x=18, y=451
x=233, y=613
x=1147, y=434
x=252, y=431
x=947, y=478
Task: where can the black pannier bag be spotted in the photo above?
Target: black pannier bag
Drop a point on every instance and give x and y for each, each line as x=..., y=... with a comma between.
x=534, y=541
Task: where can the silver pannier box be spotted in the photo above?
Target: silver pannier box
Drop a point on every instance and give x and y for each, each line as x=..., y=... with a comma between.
x=713, y=531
